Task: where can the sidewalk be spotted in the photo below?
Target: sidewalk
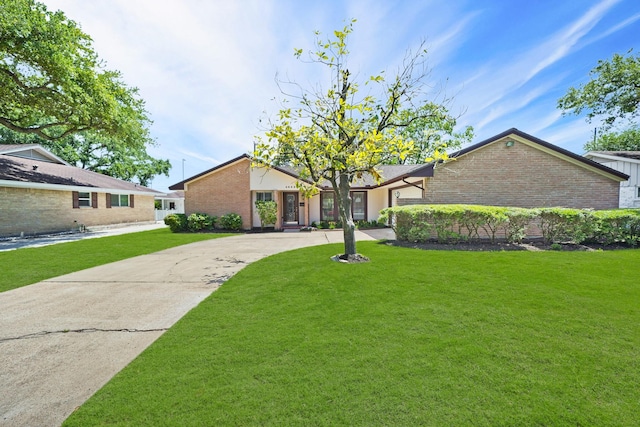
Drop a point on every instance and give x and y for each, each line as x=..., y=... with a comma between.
x=62, y=339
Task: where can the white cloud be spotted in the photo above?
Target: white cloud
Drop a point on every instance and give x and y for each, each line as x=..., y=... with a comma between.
x=206, y=68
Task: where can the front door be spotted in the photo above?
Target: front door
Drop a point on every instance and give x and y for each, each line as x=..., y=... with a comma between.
x=291, y=208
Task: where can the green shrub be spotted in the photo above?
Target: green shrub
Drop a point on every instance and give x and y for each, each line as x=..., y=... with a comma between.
x=518, y=219
x=231, y=221
x=200, y=221
x=566, y=225
x=267, y=211
x=617, y=226
x=450, y=223
x=176, y=222
x=364, y=224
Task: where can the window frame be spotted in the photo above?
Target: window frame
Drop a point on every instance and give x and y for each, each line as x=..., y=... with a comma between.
x=84, y=201
x=119, y=198
x=260, y=196
x=335, y=211
x=353, y=213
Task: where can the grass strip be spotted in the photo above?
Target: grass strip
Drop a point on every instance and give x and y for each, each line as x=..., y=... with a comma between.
x=25, y=266
x=411, y=338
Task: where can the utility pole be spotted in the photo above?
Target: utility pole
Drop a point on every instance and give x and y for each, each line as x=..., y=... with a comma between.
x=183, y=169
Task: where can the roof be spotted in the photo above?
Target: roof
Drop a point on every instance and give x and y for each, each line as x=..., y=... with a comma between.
x=173, y=195
x=394, y=173
x=31, y=151
x=553, y=148
x=180, y=185
x=633, y=155
x=17, y=171
x=390, y=174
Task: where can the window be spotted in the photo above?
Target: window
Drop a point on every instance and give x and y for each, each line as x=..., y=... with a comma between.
x=359, y=205
x=329, y=206
x=262, y=196
x=84, y=199
x=119, y=200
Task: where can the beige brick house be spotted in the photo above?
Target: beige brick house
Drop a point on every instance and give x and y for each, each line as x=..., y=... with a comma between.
x=41, y=193
x=509, y=169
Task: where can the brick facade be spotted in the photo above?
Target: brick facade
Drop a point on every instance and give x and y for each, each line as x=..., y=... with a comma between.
x=520, y=175
x=223, y=191
x=33, y=211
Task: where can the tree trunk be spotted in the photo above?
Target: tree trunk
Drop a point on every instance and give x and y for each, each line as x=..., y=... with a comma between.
x=344, y=208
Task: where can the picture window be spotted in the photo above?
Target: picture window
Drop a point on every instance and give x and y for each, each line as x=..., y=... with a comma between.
x=121, y=200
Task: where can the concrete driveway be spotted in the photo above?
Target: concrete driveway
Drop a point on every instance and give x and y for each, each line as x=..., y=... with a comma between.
x=62, y=339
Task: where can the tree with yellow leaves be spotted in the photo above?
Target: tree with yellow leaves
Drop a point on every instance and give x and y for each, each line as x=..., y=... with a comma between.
x=335, y=136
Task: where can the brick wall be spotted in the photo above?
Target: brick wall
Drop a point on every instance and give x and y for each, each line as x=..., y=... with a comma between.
x=520, y=176
x=223, y=191
x=31, y=211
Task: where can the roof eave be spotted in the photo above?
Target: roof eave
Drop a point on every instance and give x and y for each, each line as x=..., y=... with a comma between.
x=180, y=185
x=617, y=175
x=60, y=187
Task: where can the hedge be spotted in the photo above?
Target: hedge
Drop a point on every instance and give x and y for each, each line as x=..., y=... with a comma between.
x=454, y=223
x=202, y=222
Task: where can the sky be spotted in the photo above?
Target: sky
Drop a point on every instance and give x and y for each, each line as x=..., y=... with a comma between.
x=206, y=68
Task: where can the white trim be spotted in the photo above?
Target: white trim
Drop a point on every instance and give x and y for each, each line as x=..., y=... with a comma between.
x=555, y=153
x=59, y=187
x=592, y=154
x=35, y=147
x=216, y=169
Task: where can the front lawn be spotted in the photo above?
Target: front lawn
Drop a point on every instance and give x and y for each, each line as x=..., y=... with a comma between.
x=411, y=338
x=30, y=265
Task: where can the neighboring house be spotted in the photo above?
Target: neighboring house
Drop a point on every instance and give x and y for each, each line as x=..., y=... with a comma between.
x=170, y=203
x=41, y=193
x=627, y=162
x=510, y=169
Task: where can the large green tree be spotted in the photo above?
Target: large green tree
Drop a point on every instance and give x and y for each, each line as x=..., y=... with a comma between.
x=336, y=135
x=613, y=93
x=98, y=153
x=54, y=86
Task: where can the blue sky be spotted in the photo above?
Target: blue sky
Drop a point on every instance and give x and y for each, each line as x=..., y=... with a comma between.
x=206, y=68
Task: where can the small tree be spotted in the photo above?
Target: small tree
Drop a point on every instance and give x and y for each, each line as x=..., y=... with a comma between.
x=267, y=211
x=336, y=136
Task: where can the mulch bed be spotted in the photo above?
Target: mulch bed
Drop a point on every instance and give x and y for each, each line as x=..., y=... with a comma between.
x=531, y=245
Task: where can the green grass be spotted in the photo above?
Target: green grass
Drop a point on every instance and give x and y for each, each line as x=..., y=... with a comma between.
x=412, y=338
x=25, y=266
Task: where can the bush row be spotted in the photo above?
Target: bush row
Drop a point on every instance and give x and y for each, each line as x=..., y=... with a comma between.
x=451, y=223
x=360, y=224
x=202, y=222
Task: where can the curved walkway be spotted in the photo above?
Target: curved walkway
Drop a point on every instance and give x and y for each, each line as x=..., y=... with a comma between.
x=62, y=339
